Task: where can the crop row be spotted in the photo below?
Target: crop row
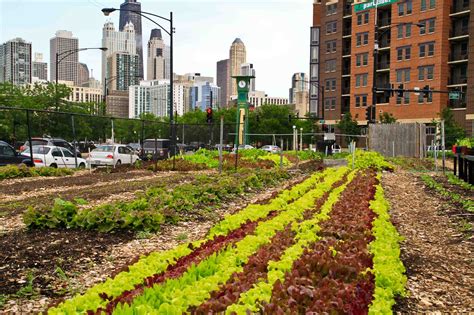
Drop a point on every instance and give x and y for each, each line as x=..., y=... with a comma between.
x=466, y=203
x=157, y=263
x=153, y=207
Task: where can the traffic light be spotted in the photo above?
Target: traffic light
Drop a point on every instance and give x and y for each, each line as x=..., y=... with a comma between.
x=325, y=128
x=368, y=113
x=289, y=118
x=427, y=92
x=209, y=115
x=258, y=119
x=297, y=115
x=400, y=90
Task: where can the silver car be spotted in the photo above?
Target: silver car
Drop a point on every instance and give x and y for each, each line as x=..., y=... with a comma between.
x=271, y=148
x=112, y=155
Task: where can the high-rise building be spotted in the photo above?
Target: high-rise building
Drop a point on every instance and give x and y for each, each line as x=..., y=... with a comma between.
x=117, y=41
x=158, y=63
x=237, y=57
x=248, y=70
x=15, y=62
x=83, y=74
x=62, y=43
x=40, y=68
x=299, y=83
x=117, y=104
x=259, y=98
x=222, y=81
x=420, y=43
x=204, y=95
x=153, y=97
x=124, y=71
x=136, y=20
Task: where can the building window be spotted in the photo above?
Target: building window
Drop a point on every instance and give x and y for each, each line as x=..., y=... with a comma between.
x=362, y=59
x=405, y=99
x=404, y=30
x=427, y=26
x=403, y=75
x=425, y=72
x=331, y=65
x=405, y=8
x=315, y=35
x=361, y=79
x=315, y=54
x=427, y=49
x=331, y=46
x=423, y=5
x=363, y=18
x=331, y=27
x=330, y=85
x=404, y=53
x=362, y=39
x=330, y=103
x=314, y=72
x=361, y=100
x=432, y=4
x=331, y=9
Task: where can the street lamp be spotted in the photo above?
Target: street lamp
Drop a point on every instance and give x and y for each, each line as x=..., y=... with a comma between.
x=376, y=53
x=68, y=53
x=170, y=32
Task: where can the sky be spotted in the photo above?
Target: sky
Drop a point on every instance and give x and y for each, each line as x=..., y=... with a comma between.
x=276, y=33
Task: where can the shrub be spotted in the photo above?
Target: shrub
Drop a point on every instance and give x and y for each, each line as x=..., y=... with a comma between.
x=14, y=171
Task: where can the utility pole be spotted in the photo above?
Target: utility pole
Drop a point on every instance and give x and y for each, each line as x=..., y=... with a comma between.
x=376, y=57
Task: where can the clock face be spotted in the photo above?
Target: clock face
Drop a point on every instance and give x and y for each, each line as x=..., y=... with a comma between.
x=242, y=84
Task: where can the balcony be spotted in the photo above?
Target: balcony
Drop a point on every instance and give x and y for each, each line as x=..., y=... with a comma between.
x=458, y=57
x=347, y=10
x=346, y=90
x=459, y=8
x=384, y=43
x=457, y=81
x=384, y=22
x=384, y=65
x=346, y=31
x=459, y=32
x=346, y=71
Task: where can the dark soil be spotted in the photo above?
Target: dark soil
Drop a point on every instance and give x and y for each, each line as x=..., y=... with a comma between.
x=9, y=209
x=42, y=252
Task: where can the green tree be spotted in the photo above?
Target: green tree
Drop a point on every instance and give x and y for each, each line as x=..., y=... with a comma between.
x=349, y=126
x=387, y=118
x=452, y=130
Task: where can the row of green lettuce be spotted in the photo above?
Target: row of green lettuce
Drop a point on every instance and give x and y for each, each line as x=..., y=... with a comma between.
x=157, y=262
x=390, y=279
x=466, y=203
x=21, y=171
x=157, y=205
x=175, y=296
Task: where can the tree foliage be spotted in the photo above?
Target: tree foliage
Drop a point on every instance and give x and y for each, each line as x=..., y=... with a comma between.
x=349, y=126
x=387, y=118
x=452, y=130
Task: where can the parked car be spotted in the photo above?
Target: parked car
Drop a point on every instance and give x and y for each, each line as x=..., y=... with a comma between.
x=243, y=147
x=8, y=155
x=155, y=148
x=336, y=148
x=271, y=148
x=225, y=147
x=46, y=141
x=137, y=147
x=53, y=156
x=112, y=155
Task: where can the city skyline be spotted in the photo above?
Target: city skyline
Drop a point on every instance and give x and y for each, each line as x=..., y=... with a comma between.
x=208, y=44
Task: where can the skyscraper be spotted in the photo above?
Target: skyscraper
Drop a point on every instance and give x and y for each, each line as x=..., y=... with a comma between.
x=40, y=68
x=83, y=74
x=237, y=56
x=117, y=41
x=248, y=70
x=15, y=61
x=61, y=43
x=126, y=17
x=123, y=68
x=223, y=81
x=299, y=83
x=158, y=57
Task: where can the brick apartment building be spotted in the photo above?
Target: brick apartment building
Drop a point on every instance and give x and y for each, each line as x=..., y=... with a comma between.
x=421, y=43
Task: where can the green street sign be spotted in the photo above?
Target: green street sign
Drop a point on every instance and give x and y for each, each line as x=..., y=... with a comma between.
x=372, y=4
x=454, y=95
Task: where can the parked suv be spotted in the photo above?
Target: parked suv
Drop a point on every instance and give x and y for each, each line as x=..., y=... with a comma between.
x=8, y=155
x=162, y=149
x=55, y=142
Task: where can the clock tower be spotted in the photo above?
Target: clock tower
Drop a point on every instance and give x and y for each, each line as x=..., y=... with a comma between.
x=242, y=121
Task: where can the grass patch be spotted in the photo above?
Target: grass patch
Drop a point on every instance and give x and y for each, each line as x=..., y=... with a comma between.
x=14, y=171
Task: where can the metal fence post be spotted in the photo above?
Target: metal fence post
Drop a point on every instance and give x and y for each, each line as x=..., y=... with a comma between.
x=74, y=139
x=221, y=143
x=281, y=152
x=28, y=122
x=443, y=146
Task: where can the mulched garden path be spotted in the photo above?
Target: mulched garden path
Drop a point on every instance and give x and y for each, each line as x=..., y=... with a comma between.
x=436, y=252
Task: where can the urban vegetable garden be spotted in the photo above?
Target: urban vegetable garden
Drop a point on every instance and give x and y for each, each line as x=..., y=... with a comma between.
x=267, y=238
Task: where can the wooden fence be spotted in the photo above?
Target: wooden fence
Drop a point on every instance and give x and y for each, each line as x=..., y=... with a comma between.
x=398, y=139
